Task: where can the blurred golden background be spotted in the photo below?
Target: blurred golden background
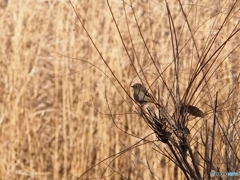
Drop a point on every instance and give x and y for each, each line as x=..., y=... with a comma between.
x=61, y=109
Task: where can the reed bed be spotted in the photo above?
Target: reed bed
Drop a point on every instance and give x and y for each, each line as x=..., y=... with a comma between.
x=66, y=106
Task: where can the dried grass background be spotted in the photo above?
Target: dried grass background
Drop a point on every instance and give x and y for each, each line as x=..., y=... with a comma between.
x=57, y=96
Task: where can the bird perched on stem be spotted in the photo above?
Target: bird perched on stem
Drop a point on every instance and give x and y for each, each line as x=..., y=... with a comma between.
x=193, y=110
x=141, y=95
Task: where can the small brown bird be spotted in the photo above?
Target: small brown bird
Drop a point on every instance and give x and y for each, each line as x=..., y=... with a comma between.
x=193, y=110
x=141, y=95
